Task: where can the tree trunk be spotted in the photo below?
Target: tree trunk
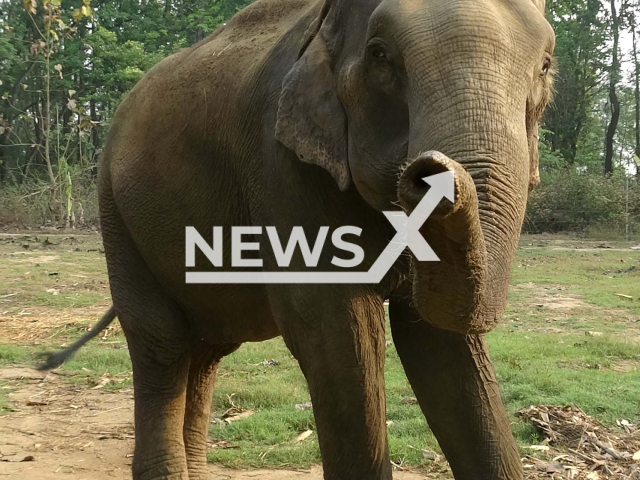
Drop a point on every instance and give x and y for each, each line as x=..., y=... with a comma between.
x=95, y=138
x=200, y=31
x=46, y=113
x=637, y=83
x=39, y=134
x=3, y=157
x=66, y=115
x=574, y=139
x=613, y=96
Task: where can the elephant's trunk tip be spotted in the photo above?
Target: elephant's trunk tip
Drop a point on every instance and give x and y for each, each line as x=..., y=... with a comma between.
x=412, y=188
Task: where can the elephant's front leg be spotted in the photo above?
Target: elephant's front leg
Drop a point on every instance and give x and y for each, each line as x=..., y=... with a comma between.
x=454, y=382
x=340, y=345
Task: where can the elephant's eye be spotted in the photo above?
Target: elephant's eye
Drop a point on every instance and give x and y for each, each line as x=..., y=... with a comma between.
x=546, y=66
x=377, y=51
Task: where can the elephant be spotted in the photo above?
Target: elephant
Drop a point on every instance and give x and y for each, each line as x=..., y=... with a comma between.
x=319, y=113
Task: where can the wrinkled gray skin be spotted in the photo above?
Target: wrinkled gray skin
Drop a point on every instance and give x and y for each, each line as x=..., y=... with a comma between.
x=300, y=112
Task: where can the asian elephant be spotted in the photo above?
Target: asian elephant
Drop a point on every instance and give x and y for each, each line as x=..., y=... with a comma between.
x=326, y=113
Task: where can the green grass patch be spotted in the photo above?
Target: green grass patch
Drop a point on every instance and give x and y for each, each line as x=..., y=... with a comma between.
x=66, y=272
x=89, y=366
x=533, y=368
x=94, y=363
x=13, y=354
x=597, y=275
x=536, y=368
x=5, y=404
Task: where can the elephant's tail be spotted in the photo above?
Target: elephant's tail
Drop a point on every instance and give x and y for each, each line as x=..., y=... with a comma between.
x=55, y=359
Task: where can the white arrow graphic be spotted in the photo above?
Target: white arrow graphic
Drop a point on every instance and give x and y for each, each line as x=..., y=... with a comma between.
x=408, y=235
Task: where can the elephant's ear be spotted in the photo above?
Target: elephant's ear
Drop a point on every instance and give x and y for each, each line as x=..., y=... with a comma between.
x=311, y=120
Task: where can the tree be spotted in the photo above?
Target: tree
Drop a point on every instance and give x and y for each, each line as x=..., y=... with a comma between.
x=614, y=78
x=59, y=91
x=580, y=59
x=636, y=75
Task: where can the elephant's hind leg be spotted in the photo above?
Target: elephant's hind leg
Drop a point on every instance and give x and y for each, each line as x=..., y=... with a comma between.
x=160, y=393
x=202, y=377
x=160, y=358
x=158, y=340
x=159, y=354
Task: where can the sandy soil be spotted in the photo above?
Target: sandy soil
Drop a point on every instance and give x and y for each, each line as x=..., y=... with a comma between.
x=63, y=431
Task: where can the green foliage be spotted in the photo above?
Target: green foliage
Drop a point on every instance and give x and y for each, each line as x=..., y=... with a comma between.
x=576, y=200
x=57, y=112
x=65, y=65
x=581, y=38
x=116, y=66
x=550, y=161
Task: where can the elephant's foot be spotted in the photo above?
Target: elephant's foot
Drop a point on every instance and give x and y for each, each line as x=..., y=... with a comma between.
x=454, y=381
x=160, y=395
x=166, y=471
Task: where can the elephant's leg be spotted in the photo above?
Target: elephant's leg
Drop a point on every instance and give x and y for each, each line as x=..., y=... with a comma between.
x=340, y=346
x=455, y=384
x=159, y=383
x=202, y=377
x=159, y=352
x=158, y=339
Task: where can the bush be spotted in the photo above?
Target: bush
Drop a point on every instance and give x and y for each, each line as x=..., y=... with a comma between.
x=566, y=201
x=573, y=201
x=34, y=205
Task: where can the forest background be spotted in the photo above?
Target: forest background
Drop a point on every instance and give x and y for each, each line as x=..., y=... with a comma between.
x=65, y=65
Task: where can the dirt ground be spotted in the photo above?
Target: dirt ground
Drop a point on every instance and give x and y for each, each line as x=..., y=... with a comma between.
x=59, y=430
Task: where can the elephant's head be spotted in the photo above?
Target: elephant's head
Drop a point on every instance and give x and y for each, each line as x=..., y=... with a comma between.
x=447, y=85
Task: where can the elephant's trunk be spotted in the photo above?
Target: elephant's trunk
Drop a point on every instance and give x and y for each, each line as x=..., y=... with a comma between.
x=466, y=290
x=465, y=103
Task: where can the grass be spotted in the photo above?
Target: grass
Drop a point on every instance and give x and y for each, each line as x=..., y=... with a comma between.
x=268, y=437
x=5, y=404
x=533, y=368
x=597, y=275
x=588, y=354
x=13, y=354
x=541, y=369
x=55, y=271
